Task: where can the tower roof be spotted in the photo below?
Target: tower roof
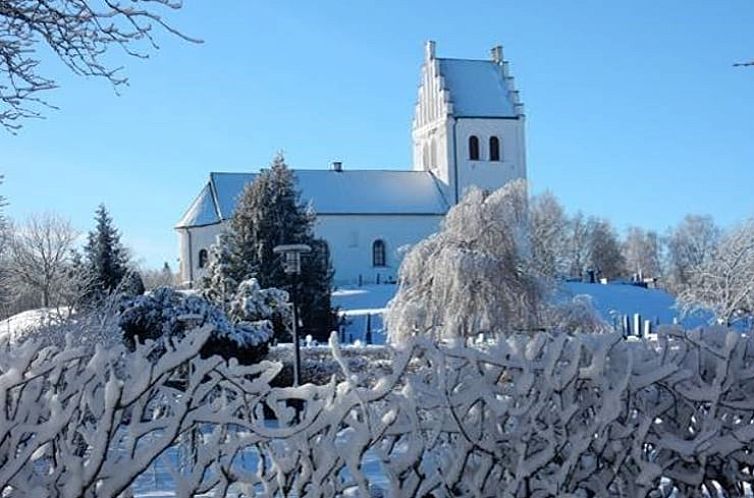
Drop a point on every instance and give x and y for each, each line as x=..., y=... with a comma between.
x=478, y=88
x=466, y=88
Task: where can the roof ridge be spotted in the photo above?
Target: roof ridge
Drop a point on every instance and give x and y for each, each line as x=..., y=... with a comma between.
x=466, y=60
x=387, y=170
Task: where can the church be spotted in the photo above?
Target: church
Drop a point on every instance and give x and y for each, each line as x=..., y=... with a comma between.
x=468, y=129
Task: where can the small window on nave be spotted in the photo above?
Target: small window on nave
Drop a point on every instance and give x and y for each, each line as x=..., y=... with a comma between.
x=473, y=148
x=494, y=149
x=203, y=258
x=378, y=253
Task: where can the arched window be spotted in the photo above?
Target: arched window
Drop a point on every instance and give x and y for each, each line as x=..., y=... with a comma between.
x=433, y=154
x=425, y=157
x=473, y=148
x=378, y=253
x=203, y=257
x=494, y=149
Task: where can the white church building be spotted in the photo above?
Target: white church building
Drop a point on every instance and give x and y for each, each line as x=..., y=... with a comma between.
x=468, y=129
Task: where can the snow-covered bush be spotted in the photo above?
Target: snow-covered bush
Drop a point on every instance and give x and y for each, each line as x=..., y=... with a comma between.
x=251, y=303
x=165, y=314
x=577, y=314
x=475, y=275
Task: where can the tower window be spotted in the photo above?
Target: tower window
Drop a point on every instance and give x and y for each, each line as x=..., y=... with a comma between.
x=494, y=149
x=474, y=148
x=203, y=257
x=378, y=253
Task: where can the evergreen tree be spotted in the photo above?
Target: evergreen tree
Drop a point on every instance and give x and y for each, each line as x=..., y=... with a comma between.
x=132, y=284
x=269, y=213
x=106, y=258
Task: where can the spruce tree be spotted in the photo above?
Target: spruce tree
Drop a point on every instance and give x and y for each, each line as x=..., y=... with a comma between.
x=106, y=258
x=269, y=213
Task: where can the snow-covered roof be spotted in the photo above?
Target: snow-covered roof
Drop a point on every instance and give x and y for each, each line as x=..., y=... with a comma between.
x=478, y=88
x=330, y=192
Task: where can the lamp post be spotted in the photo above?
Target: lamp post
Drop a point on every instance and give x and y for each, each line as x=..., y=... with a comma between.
x=291, y=254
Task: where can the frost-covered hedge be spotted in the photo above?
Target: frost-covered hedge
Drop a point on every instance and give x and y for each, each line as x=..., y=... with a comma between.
x=546, y=415
x=318, y=366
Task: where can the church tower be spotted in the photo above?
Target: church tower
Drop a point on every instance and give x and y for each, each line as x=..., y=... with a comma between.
x=468, y=126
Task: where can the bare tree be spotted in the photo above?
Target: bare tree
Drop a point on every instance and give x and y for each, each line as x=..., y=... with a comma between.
x=604, y=249
x=641, y=251
x=39, y=255
x=80, y=33
x=549, y=234
x=724, y=282
x=578, y=251
x=690, y=245
x=154, y=278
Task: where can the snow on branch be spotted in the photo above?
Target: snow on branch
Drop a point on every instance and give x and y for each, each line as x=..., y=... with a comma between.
x=542, y=415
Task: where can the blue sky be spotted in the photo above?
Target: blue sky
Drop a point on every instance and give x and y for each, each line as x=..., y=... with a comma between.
x=634, y=111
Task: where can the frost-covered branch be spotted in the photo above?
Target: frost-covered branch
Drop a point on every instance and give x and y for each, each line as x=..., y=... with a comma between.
x=520, y=416
x=80, y=33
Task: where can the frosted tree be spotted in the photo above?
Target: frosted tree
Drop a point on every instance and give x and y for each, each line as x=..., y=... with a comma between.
x=549, y=234
x=81, y=33
x=39, y=256
x=476, y=275
x=641, y=251
x=5, y=237
x=690, y=245
x=723, y=283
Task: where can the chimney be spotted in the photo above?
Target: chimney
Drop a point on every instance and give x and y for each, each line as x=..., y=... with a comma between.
x=497, y=54
x=337, y=166
x=429, y=50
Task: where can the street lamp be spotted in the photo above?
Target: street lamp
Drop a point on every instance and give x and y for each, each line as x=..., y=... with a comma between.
x=291, y=254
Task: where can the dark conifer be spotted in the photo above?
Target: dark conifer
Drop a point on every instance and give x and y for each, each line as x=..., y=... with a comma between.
x=269, y=213
x=106, y=258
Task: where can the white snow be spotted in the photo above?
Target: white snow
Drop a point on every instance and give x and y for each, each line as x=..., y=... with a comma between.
x=16, y=326
x=356, y=303
x=611, y=301
x=615, y=300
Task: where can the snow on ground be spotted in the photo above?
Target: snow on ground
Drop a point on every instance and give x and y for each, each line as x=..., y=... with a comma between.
x=612, y=301
x=361, y=309
x=17, y=325
x=615, y=300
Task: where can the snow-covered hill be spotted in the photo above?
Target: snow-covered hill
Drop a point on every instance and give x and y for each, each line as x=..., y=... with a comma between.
x=612, y=301
x=18, y=325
